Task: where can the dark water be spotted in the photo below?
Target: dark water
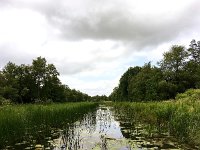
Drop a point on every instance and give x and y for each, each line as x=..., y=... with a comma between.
x=103, y=129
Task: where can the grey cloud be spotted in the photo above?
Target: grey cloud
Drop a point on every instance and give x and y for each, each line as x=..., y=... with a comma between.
x=9, y=52
x=69, y=68
x=101, y=20
x=120, y=25
x=107, y=21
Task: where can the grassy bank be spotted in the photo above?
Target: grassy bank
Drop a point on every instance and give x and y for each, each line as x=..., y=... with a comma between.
x=179, y=117
x=26, y=121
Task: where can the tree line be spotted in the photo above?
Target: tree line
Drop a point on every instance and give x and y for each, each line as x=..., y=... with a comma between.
x=37, y=82
x=178, y=71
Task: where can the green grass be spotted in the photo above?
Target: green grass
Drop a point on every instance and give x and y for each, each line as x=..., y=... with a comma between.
x=179, y=117
x=21, y=121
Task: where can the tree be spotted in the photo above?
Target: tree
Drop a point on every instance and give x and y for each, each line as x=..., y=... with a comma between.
x=10, y=88
x=121, y=93
x=51, y=84
x=38, y=73
x=47, y=84
x=125, y=80
x=173, y=65
x=144, y=86
x=192, y=68
x=194, y=51
x=2, y=81
x=174, y=61
x=26, y=84
x=114, y=95
x=166, y=90
x=36, y=82
x=179, y=70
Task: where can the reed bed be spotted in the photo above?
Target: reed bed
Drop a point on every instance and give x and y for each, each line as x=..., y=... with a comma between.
x=22, y=121
x=179, y=118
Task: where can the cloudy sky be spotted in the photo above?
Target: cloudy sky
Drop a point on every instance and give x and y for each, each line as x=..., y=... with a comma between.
x=93, y=42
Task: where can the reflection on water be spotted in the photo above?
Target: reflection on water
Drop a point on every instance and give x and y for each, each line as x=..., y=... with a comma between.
x=91, y=132
x=102, y=129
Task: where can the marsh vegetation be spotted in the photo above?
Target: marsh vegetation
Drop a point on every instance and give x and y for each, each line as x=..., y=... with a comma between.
x=111, y=125
x=24, y=125
x=176, y=119
x=153, y=107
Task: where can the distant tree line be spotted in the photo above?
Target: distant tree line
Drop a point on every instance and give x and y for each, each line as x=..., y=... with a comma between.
x=178, y=71
x=37, y=82
x=99, y=98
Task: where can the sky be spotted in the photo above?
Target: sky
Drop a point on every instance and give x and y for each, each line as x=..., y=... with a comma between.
x=93, y=42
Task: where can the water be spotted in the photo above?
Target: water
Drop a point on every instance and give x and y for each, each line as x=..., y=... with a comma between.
x=92, y=132
x=102, y=129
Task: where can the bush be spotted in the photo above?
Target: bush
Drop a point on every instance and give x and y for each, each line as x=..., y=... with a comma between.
x=191, y=94
x=4, y=101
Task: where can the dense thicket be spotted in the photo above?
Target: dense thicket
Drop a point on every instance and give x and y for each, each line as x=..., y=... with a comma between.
x=37, y=82
x=177, y=71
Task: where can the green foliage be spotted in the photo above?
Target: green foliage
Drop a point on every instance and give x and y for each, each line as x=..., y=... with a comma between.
x=179, y=118
x=194, y=51
x=23, y=122
x=189, y=95
x=121, y=93
x=143, y=87
x=98, y=98
x=4, y=101
x=38, y=82
x=174, y=60
x=166, y=89
x=125, y=82
x=178, y=71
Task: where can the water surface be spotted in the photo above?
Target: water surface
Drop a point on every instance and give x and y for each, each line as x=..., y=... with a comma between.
x=105, y=129
x=102, y=129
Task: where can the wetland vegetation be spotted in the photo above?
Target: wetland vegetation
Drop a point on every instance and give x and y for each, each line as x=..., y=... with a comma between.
x=23, y=125
x=110, y=125
x=153, y=107
x=177, y=119
x=173, y=124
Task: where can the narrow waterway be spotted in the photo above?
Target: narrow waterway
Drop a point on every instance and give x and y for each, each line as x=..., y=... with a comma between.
x=102, y=129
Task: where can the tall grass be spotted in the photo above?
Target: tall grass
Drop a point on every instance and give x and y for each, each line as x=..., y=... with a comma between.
x=179, y=117
x=22, y=121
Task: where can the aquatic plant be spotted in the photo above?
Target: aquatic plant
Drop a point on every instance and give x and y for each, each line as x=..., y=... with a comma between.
x=179, y=118
x=21, y=122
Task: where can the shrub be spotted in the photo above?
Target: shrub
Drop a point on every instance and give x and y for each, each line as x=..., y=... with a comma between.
x=4, y=101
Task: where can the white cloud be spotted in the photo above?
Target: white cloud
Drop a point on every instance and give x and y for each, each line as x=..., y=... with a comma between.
x=23, y=26
x=93, y=42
